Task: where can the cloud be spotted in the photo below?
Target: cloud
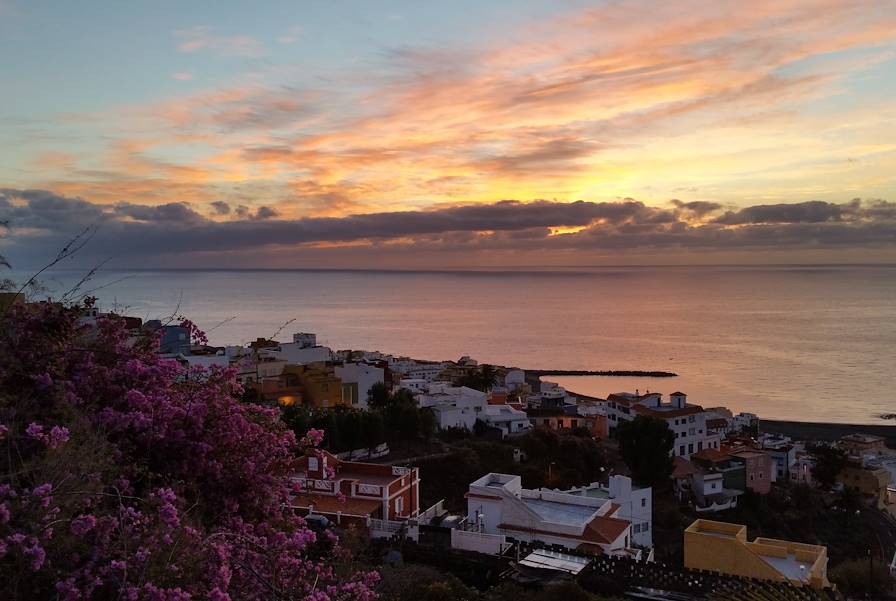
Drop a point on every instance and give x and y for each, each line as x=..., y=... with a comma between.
x=266, y=213
x=202, y=38
x=220, y=207
x=814, y=211
x=697, y=207
x=639, y=97
x=617, y=227
x=183, y=76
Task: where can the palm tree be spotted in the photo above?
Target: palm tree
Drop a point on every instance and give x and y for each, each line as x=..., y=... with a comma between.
x=488, y=377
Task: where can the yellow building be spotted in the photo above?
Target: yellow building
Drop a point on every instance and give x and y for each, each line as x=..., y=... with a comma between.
x=723, y=547
x=869, y=482
x=321, y=387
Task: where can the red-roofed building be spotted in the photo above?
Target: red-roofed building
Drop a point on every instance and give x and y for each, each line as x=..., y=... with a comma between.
x=688, y=422
x=498, y=504
x=352, y=492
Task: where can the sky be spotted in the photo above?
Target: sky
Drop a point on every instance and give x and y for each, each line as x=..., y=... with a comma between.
x=448, y=134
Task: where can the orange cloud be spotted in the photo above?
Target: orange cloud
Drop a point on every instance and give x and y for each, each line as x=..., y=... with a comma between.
x=629, y=98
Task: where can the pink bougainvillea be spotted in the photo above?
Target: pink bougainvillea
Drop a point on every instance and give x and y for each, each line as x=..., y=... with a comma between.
x=131, y=477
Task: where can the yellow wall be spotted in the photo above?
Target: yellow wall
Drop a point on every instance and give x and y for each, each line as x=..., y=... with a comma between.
x=723, y=547
x=868, y=482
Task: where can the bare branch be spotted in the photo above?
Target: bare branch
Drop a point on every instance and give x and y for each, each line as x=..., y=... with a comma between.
x=281, y=328
x=74, y=245
x=86, y=278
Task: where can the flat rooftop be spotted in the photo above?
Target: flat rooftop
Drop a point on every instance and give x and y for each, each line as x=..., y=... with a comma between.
x=788, y=566
x=560, y=513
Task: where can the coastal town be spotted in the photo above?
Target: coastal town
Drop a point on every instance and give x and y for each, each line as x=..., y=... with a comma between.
x=489, y=470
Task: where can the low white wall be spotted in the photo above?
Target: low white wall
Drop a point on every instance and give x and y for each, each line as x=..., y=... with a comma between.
x=492, y=544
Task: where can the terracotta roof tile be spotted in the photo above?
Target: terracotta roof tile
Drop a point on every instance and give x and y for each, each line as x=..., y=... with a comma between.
x=605, y=530
x=709, y=454
x=683, y=468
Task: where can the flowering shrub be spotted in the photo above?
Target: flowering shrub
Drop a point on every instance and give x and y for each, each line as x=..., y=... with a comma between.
x=123, y=475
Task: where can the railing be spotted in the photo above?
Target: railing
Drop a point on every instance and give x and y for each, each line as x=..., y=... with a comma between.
x=384, y=528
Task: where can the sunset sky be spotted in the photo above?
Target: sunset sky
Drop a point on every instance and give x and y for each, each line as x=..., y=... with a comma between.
x=409, y=134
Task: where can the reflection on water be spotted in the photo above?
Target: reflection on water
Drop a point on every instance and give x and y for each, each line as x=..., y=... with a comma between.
x=814, y=343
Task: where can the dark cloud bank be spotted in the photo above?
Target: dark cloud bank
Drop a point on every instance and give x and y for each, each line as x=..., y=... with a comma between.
x=41, y=221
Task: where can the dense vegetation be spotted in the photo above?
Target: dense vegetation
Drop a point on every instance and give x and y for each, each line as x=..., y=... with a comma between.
x=392, y=419
x=556, y=460
x=646, y=446
x=125, y=476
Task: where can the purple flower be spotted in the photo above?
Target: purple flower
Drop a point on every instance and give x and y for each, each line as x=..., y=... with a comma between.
x=37, y=555
x=67, y=590
x=43, y=490
x=43, y=380
x=34, y=430
x=57, y=436
x=83, y=524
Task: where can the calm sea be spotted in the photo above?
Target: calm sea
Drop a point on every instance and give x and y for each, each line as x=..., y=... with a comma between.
x=801, y=343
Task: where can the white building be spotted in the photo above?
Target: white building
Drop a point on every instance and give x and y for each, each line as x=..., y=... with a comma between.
x=305, y=339
x=710, y=494
x=207, y=361
x=415, y=385
x=301, y=351
x=635, y=505
x=514, y=379
x=411, y=369
x=454, y=406
x=510, y=421
x=357, y=380
x=498, y=504
x=687, y=421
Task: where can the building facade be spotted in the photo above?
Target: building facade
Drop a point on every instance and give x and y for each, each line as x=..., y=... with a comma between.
x=498, y=504
x=348, y=492
x=723, y=547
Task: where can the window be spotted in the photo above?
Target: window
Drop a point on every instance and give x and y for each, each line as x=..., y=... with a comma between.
x=751, y=477
x=643, y=502
x=645, y=527
x=312, y=464
x=681, y=450
x=713, y=486
x=637, y=528
x=399, y=505
x=699, y=446
x=691, y=432
x=691, y=448
x=691, y=419
x=575, y=423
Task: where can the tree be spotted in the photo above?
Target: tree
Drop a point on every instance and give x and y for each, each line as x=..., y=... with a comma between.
x=374, y=433
x=484, y=379
x=829, y=462
x=125, y=475
x=488, y=377
x=645, y=444
x=378, y=396
x=428, y=424
x=864, y=575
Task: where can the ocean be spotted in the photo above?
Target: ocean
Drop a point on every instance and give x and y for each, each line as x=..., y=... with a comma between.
x=808, y=343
